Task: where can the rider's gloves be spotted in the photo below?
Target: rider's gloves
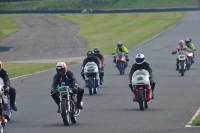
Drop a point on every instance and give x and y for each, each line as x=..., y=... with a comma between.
x=6, y=89
x=52, y=91
x=173, y=52
x=102, y=68
x=82, y=72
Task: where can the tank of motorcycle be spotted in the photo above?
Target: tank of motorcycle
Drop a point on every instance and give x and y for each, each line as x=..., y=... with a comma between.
x=140, y=77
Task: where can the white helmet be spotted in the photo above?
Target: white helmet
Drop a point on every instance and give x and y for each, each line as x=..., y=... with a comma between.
x=139, y=58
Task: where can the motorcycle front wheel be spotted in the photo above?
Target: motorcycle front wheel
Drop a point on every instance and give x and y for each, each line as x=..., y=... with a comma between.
x=90, y=86
x=140, y=100
x=65, y=113
x=182, y=68
x=120, y=67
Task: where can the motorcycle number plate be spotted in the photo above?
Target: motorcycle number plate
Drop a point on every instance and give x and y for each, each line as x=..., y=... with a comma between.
x=61, y=89
x=140, y=78
x=91, y=67
x=181, y=57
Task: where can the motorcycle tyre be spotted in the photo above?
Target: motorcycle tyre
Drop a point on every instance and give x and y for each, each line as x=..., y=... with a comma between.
x=182, y=68
x=90, y=86
x=140, y=100
x=64, y=114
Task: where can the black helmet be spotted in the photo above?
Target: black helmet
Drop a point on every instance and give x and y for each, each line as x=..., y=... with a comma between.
x=90, y=53
x=96, y=50
x=188, y=40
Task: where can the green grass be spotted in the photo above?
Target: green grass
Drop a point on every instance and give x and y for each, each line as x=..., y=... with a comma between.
x=96, y=4
x=105, y=30
x=196, y=121
x=7, y=25
x=19, y=69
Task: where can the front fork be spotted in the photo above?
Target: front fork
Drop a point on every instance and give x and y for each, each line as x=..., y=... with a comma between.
x=67, y=101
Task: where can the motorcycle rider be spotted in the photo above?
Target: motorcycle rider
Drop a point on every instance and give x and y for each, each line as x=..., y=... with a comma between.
x=142, y=64
x=189, y=44
x=183, y=48
x=120, y=48
x=90, y=58
x=102, y=60
x=67, y=76
x=7, y=87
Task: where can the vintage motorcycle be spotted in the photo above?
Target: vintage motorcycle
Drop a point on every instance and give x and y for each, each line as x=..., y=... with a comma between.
x=1, y=105
x=182, y=62
x=121, y=62
x=141, y=88
x=91, y=73
x=68, y=104
x=6, y=103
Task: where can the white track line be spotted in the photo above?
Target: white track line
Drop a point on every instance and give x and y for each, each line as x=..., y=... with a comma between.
x=31, y=74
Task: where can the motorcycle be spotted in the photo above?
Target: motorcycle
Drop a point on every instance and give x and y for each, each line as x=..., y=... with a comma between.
x=190, y=57
x=68, y=104
x=121, y=62
x=182, y=62
x=7, y=111
x=91, y=73
x=141, y=88
x=1, y=105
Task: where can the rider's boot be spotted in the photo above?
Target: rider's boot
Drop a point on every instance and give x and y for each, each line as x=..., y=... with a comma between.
x=101, y=81
x=127, y=60
x=177, y=67
x=192, y=59
x=79, y=104
x=152, y=97
x=188, y=66
x=101, y=78
x=12, y=101
x=86, y=84
x=56, y=99
x=58, y=111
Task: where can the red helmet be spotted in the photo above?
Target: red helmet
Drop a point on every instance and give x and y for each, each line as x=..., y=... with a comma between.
x=61, y=68
x=181, y=43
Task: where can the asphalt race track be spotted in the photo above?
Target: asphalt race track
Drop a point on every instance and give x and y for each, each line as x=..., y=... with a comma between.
x=112, y=109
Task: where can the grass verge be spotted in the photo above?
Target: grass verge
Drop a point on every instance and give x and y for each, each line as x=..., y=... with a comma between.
x=8, y=26
x=105, y=30
x=19, y=69
x=196, y=121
